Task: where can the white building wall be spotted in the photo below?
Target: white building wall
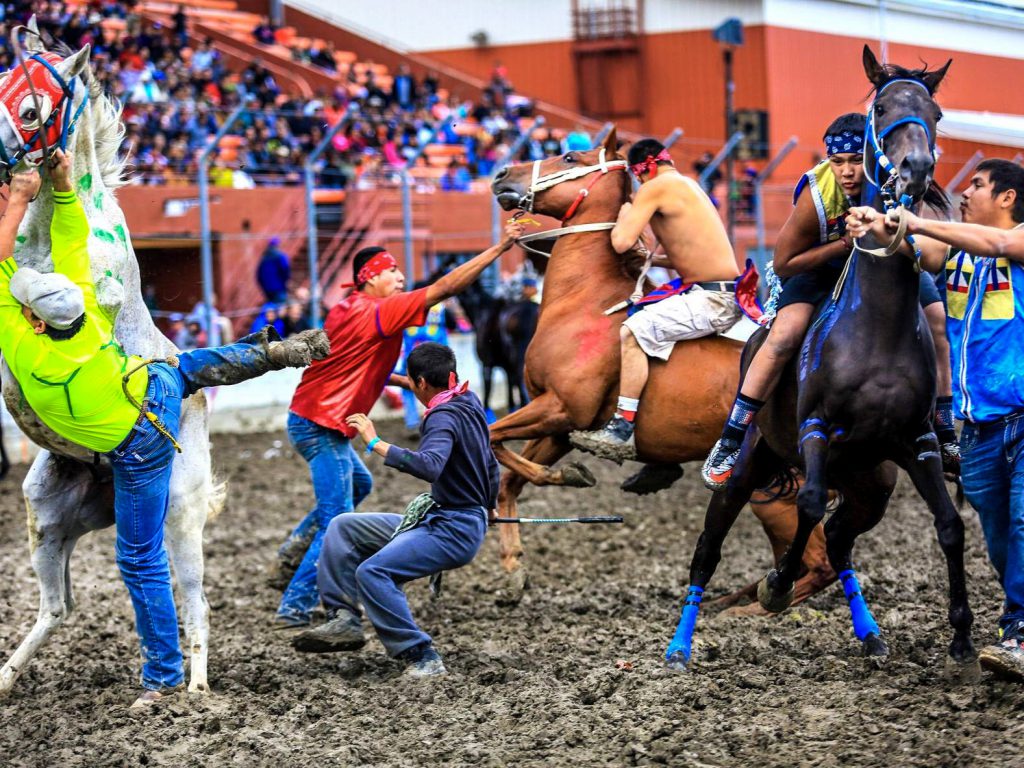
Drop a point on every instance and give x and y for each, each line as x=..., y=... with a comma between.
x=416, y=25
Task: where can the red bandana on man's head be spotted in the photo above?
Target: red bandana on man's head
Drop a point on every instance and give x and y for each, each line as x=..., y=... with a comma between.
x=379, y=264
x=650, y=163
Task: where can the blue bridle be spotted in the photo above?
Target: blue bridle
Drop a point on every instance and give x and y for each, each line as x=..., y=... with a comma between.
x=873, y=141
x=59, y=111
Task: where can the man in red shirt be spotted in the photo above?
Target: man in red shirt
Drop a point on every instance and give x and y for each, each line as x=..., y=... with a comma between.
x=365, y=330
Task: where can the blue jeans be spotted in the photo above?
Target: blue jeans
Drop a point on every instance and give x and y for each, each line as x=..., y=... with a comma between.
x=340, y=482
x=992, y=470
x=142, y=471
x=412, y=413
x=362, y=564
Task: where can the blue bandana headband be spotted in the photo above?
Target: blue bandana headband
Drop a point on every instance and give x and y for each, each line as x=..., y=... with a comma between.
x=844, y=142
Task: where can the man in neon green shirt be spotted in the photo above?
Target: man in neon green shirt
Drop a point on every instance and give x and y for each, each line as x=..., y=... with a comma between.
x=61, y=348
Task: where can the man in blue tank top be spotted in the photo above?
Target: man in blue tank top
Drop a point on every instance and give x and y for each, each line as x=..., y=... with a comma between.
x=983, y=263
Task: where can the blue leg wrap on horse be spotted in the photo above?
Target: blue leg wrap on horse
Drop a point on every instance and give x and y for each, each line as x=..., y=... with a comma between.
x=863, y=622
x=684, y=632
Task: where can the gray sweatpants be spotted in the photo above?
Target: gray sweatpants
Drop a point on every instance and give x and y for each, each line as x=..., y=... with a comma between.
x=361, y=565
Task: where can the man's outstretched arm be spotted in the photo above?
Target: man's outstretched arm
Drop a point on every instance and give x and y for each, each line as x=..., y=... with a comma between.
x=464, y=275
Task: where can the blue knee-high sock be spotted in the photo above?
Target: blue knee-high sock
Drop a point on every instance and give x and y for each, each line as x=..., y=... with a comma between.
x=683, y=637
x=740, y=417
x=944, y=424
x=863, y=622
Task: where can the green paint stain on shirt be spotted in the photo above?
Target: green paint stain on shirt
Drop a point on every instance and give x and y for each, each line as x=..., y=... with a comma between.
x=20, y=238
x=121, y=234
x=85, y=182
x=104, y=235
x=97, y=201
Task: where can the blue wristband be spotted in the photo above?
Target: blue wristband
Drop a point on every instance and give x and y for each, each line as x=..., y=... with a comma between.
x=371, y=445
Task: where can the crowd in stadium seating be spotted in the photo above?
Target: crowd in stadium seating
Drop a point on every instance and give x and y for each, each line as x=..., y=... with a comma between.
x=175, y=98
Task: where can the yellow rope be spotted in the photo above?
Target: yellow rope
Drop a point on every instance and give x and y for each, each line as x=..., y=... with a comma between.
x=150, y=416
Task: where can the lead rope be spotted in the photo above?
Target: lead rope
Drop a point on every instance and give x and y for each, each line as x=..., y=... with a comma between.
x=150, y=416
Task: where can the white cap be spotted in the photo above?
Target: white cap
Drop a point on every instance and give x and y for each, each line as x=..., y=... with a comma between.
x=51, y=296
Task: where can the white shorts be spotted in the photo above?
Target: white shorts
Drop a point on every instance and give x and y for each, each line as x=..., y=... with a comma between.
x=689, y=315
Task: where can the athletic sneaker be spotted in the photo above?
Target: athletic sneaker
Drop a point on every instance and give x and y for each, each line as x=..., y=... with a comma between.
x=718, y=467
x=1006, y=658
x=426, y=664
x=615, y=440
x=343, y=631
x=950, y=453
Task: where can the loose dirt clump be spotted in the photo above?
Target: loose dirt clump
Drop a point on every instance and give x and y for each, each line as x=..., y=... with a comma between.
x=572, y=675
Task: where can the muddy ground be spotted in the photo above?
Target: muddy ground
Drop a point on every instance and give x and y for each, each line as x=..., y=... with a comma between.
x=535, y=684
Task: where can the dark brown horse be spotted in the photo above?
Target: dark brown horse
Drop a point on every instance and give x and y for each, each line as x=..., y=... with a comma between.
x=572, y=365
x=859, y=401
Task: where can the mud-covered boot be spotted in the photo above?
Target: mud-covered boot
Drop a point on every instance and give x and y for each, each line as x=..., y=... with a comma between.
x=613, y=441
x=1006, y=658
x=425, y=662
x=299, y=350
x=343, y=631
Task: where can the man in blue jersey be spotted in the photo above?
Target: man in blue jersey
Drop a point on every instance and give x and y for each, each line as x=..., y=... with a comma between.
x=983, y=262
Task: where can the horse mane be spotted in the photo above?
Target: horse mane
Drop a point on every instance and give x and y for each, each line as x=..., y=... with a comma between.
x=104, y=118
x=896, y=72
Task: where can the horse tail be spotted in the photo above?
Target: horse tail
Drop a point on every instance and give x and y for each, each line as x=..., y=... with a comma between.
x=783, y=485
x=215, y=502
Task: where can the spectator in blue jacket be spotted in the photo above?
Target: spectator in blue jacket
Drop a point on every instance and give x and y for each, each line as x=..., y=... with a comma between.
x=274, y=272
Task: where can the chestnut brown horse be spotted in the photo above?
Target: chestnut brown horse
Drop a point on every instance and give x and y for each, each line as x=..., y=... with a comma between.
x=572, y=364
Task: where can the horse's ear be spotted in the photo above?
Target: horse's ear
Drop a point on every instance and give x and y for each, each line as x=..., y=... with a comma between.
x=611, y=142
x=75, y=64
x=34, y=40
x=874, y=70
x=932, y=79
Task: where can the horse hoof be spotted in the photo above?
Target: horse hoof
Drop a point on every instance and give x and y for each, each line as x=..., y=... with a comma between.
x=510, y=594
x=652, y=478
x=577, y=476
x=962, y=671
x=677, y=662
x=874, y=646
x=769, y=599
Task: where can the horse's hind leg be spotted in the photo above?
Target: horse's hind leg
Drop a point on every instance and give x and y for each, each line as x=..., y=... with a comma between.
x=547, y=451
x=192, y=499
x=776, y=590
x=5, y=464
x=865, y=498
x=63, y=501
x=925, y=470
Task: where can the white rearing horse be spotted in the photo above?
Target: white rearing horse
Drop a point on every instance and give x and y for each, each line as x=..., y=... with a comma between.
x=67, y=491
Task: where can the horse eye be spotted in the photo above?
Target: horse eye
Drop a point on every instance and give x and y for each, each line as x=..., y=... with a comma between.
x=30, y=115
x=570, y=158
x=879, y=110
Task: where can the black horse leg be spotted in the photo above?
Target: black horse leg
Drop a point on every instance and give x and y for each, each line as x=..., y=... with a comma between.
x=925, y=470
x=513, y=387
x=775, y=592
x=751, y=473
x=865, y=498
x=488, y=375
